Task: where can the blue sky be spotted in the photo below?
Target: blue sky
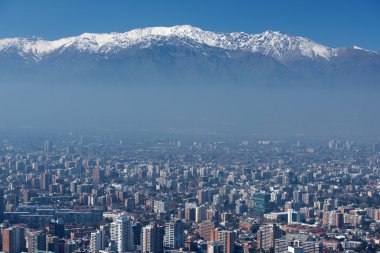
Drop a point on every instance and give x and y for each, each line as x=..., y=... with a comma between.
x=331, y=22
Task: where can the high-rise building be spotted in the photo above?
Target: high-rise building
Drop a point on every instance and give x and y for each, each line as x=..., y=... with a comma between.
x=333, y=218
x=52, y=244
x=227, y=217
x=310, y=247
x=214, y=247
x=293, y=216
x=326, y=218
x=137, y=233
x=160, y=206
x=225, y=238
x=213, y=215
x=190, y=214
x=261, y=202
x=97, y=175
x=13, y=239
x=69, y=246
x=297, y=195
x=57, y=228
x=266, y=236
x=174, y=235
x=152, y=238
x=280, y=245
x=36, y=241
x=205, y=195
x=241, y=207
x=122, y=234
x=205, y=229
x=200, y=214
x=139, y=198
x=339, y=220
x=306, y=198
x=97, y=241
x=45, y=180
x=47, y=146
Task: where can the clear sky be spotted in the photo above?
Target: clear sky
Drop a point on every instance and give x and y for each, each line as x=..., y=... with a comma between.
x=334, y=23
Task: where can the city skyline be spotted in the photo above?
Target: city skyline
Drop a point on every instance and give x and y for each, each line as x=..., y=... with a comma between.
x=189, y=126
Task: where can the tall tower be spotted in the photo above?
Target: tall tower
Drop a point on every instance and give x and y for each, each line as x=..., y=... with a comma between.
x=47, y=146
x=152, y=238
x=122, y=234
x=293, y=216
x=97, y=241
x=45, y=180
x=200, y=214
x=206, y=228
x=36, y=241
x=261, y=201
x=57, y=228
x=267, y=235
x=227, y=240
x=13, y=240
x=174, y=235
x=7, y=240
x=214, y=247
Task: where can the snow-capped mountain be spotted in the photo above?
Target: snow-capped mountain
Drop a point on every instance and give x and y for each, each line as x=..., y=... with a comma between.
x=175, y=53
x=270, y=43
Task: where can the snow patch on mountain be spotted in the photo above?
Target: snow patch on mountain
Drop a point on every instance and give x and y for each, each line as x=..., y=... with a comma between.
x=281, y=46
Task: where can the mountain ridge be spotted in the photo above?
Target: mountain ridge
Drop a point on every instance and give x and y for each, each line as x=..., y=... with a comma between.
x=186, y=54
x=272, y=43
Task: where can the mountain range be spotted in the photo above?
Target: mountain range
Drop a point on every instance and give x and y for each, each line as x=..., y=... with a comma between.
x=186, y=55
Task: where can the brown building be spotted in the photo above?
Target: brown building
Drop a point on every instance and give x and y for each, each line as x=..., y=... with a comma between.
x=13, y=240
x=8, y=240
x=267, y=235
x=225, y=238
x=97, y=175
x=325, y=218
x=205, y=229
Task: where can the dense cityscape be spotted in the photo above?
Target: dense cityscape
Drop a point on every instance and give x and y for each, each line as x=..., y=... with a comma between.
x=189, y=126
x=188, y=194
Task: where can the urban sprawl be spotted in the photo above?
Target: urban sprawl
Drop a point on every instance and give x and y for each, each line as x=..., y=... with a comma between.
x=103, y=194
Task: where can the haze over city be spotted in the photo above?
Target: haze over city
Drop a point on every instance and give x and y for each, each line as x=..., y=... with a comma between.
x=161, y=72
x=189, y=126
